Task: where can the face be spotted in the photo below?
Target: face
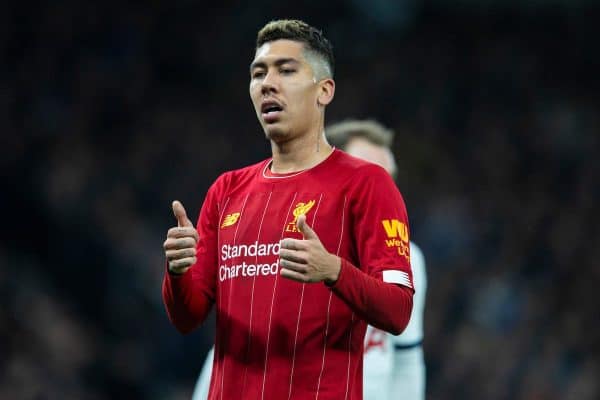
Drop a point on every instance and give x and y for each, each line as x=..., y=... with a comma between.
x=361, y=148
x=287, y=98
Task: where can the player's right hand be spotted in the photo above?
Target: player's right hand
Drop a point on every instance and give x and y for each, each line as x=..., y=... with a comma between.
x=180, y=246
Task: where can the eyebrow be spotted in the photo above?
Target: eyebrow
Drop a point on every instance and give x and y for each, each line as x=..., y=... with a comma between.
x=278, y=62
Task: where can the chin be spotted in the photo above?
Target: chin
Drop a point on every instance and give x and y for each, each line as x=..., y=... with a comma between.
x=274, y=133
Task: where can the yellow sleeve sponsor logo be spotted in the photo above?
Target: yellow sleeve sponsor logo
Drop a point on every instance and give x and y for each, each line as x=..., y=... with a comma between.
x=397, y=233
x=230, y=219
x=394, y=228
x=301, y=209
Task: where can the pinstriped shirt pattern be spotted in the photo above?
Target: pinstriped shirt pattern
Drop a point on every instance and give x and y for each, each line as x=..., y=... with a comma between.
x=277, y=338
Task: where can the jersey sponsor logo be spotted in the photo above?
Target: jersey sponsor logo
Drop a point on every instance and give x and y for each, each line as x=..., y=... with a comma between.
x=255, y=249
x=394, y=228
x=230, y=219
x=245, y=270
x=301, y=209
x=266, y=251
x=397, y=233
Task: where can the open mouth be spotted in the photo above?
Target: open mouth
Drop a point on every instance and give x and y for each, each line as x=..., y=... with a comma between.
x=270, y=111
x=270, y=107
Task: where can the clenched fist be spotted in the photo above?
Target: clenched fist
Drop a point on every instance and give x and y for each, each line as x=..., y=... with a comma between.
x=180, y=246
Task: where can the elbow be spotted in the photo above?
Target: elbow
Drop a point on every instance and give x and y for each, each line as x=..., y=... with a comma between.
x=183, y=322
x=397, y=308
x=399, y=324
x=184, y=329
x=183, y=326
x=396, y=332
x=394, y=326
x=400, y=320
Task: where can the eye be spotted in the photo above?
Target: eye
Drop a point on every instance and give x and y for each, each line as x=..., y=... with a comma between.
x=287, y=71
x=258, y=74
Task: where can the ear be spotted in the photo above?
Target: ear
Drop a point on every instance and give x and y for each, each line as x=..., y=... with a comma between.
x=326, y=91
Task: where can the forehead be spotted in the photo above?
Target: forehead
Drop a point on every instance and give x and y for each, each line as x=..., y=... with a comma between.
x=279, y=49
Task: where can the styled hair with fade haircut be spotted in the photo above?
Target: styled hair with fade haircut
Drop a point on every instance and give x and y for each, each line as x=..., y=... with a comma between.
x=340, y=133
x=292, y=29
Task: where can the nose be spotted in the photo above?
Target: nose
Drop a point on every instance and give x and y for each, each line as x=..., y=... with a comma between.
x=269, y=84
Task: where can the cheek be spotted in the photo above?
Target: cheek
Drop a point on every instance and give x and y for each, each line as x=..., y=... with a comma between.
x=254, y=93
x=309, y=102
x=305, y=96
x=252, y=86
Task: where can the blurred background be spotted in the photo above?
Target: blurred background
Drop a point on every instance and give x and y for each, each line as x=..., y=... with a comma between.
x=109, y=111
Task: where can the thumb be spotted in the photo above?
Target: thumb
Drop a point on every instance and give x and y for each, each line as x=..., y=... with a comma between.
x=179, y=211
x=306, y=230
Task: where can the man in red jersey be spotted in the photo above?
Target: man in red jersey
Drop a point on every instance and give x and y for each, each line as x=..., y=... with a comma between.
x=298, y=252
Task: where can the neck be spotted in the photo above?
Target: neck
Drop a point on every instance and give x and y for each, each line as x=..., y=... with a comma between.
x=300, y=153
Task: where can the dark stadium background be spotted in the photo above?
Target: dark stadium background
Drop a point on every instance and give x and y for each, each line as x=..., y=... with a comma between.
x=109, y=110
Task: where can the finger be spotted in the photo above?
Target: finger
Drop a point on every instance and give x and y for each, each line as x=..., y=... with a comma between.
x=180, y=214
x=293, y=275
x=306, y=230
x=180, y=254
x=187, y=231
x=292, y=255
x=182, y=263
x=180, y=243
x=292, y=244
x=293, y=266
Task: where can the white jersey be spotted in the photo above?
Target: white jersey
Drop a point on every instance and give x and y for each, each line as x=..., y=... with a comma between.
x=394, y=367
x=203, y=383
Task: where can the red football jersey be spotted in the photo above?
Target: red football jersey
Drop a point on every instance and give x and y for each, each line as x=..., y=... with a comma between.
x=277, y=338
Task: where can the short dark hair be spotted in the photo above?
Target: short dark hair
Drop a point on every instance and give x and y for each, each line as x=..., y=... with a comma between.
x=340, y=133
x=299, y=31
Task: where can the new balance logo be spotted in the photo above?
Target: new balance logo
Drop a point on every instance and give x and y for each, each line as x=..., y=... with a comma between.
x=230, y=219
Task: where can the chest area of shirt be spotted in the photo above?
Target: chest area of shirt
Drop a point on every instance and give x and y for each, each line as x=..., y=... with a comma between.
x=260, y=219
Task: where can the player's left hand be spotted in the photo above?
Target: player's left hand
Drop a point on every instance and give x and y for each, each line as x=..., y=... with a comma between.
x=307, y=260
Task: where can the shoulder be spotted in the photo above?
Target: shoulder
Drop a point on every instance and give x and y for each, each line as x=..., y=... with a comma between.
x=359, y=168
x=241, y=173
x=229, y=180
x=364, y=177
